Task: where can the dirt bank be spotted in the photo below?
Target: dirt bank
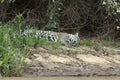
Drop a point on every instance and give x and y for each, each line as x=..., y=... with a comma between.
x=79, y=61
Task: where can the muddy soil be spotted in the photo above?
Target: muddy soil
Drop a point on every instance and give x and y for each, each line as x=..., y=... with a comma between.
x=79, y=61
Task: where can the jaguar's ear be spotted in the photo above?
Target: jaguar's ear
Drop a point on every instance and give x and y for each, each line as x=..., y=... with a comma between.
x=77, y=34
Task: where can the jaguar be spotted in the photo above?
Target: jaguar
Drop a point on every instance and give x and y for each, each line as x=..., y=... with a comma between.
x=63, y=38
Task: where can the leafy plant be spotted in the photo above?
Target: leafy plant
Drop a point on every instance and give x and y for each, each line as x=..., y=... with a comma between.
x=53, y=14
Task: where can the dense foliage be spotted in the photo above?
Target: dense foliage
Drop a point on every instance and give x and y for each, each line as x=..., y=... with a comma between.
x=98, y=18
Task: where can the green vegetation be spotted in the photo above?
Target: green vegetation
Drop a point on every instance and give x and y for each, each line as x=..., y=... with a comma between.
x=107, y=43
x=13, y=47
x=86, y=42
x=89, y=17
x=10, y=56
x=53, y=15
x=110, y=43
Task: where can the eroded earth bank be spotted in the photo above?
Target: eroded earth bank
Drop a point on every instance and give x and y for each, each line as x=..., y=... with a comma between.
x=79, y=61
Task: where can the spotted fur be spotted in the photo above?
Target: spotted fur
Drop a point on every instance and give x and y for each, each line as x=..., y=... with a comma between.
x=63, y=38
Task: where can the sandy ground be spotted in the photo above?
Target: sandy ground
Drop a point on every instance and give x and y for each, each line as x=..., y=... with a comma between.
x=77, y=61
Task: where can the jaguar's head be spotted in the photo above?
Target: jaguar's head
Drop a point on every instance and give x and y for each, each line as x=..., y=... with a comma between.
x=73, y=39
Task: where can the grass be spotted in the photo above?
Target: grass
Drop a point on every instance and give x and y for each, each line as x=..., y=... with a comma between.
x=9, y=53
x=12, y=48
x=107, y=43
x=86, y=42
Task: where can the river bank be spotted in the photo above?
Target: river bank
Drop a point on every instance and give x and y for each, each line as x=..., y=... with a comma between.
x=76, y=61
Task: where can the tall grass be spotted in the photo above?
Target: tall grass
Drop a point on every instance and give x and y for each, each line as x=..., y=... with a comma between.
x=8, y=51
x=12, y=48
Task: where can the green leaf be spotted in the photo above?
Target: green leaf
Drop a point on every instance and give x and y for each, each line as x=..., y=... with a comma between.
x=5, y=60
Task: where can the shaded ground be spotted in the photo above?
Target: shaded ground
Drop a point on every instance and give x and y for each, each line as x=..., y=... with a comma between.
x=79, y=61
